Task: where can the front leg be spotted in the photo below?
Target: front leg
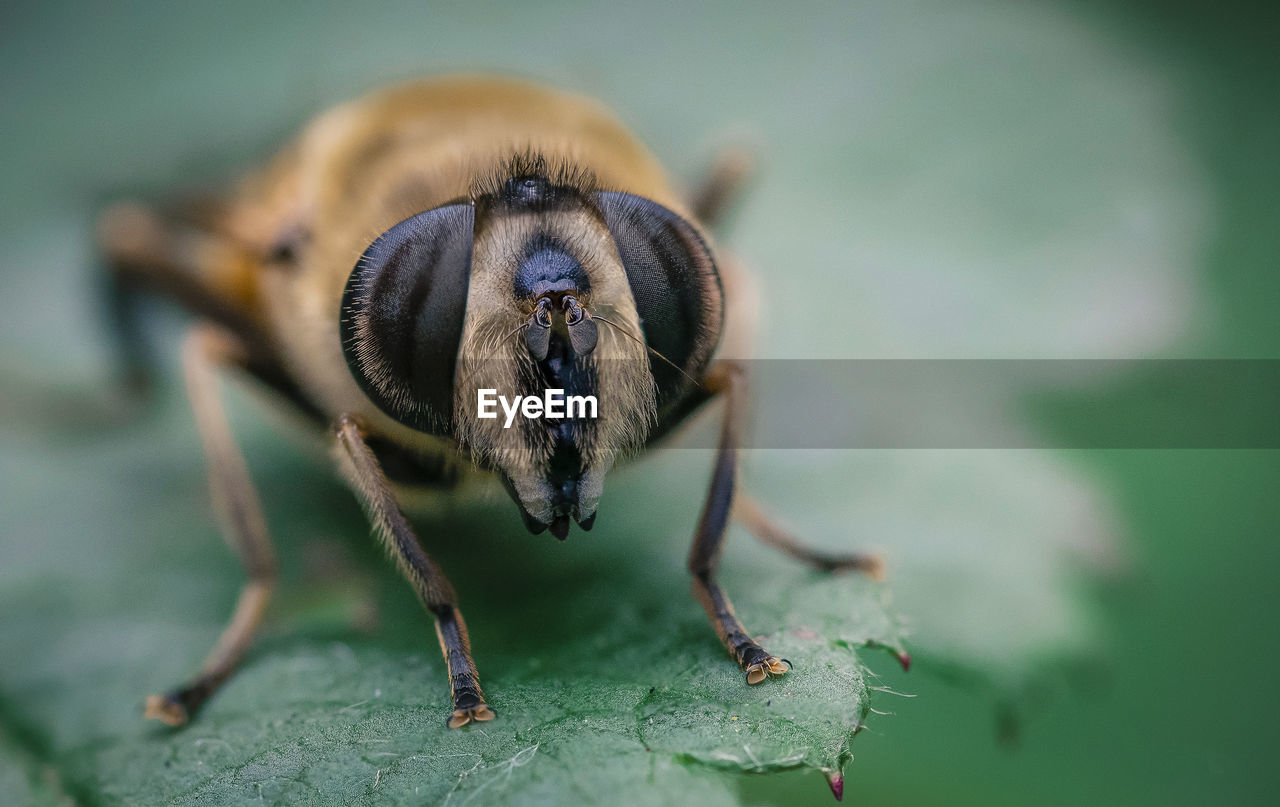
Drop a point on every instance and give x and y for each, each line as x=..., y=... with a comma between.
x=423, y=573
x=704, y=556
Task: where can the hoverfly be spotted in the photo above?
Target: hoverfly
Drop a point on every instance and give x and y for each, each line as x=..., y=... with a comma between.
x=428, y=241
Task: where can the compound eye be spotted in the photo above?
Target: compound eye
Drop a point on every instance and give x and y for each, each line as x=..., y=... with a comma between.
x=675, y=284
x=402, y=316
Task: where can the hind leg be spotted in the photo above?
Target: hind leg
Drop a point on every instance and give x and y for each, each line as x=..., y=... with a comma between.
x=748, y=512
x=236, y=503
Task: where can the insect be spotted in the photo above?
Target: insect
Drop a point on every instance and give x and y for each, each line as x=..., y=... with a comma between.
x=425, y=242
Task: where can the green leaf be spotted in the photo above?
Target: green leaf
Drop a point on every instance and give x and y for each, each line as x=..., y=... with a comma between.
x=607, y=679
x=606, y=676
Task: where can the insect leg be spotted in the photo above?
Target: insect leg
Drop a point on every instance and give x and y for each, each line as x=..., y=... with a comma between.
x=422, y=572
x=240, y=514
x=708, y=541
x=742, y=301
x=720, y=189
x=189, y=261
x=748, y=512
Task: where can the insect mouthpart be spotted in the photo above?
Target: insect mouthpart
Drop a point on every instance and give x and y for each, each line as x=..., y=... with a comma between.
x=558, y=312
x=566, y=494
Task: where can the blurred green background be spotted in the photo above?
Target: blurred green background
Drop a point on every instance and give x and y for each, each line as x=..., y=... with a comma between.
x=985, y=180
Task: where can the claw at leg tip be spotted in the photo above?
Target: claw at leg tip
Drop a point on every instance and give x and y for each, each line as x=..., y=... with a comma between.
x=166, y=710
x=874, y=568
x=756, y=673
x=479, y=714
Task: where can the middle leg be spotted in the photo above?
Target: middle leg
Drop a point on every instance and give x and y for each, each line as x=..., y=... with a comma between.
x=235, y=501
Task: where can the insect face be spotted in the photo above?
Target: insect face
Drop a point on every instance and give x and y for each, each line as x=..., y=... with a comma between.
x=544, y=265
